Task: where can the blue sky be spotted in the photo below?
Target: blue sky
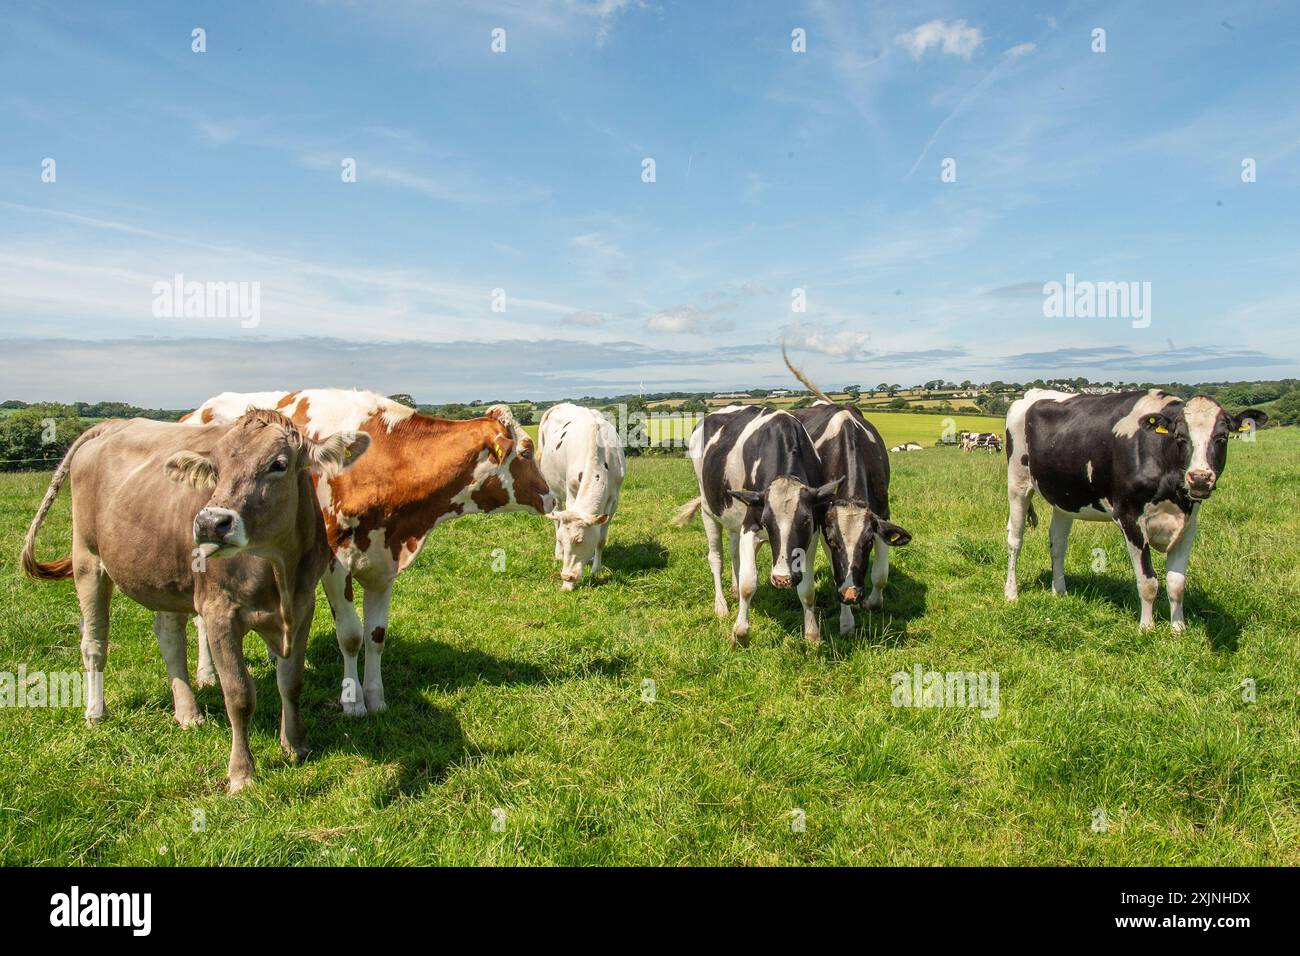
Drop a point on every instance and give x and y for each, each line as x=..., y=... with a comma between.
x=522, y=171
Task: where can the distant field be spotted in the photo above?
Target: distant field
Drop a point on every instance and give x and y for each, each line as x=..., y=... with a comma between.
x=895, y=427
x=508, y=696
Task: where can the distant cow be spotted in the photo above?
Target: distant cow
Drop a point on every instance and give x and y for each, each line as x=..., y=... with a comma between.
x=420, y=472
x=907, y=446
x=857, y=522
x=1145, y=460
x=145, y=493
x=582, y=460
x=761, y=479
x=988, y=440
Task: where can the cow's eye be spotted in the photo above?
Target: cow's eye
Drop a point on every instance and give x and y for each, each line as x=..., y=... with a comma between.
x=278, y=465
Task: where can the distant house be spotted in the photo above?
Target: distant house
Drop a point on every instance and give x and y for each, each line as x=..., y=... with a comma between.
x=733, y=395
x=780, y=393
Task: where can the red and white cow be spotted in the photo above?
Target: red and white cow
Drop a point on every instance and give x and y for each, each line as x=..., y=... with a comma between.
x=419, y=472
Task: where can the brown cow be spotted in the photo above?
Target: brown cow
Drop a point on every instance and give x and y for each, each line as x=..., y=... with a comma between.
x=420, y=472
x=144, y=494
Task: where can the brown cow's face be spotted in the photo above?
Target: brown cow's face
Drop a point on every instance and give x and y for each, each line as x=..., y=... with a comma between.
x=258, y=473
x=524, y=489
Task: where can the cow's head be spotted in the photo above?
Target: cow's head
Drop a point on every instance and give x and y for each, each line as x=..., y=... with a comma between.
x=577, y=536
x=1194, y=438
x=791, y=513
x=258, y=473
x=510, y=453
x=851, y=532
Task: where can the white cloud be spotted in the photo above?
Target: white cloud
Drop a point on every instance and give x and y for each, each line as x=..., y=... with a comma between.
x=837, y=341
x=956, y=38
x=1020, y=49
x=689, y=320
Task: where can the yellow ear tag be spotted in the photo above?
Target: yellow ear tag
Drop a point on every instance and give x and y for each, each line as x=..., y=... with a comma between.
x=1161, y=430
x=893, y=537
x=496, y=449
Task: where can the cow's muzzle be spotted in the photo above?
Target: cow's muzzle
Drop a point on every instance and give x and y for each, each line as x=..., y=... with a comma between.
x=786, y=580
x=1200, y=483
x=850, y=595
x=219, y=526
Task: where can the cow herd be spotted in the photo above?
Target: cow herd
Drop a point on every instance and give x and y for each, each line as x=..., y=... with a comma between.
x=233, y=515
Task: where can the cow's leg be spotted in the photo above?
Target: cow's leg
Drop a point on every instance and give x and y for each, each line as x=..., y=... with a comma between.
x=94, y=591
x=1139, y=552
x=603, y=531
x=227, y=643
x=733, y=541
x=205, y=674
x=288, y=678
x=1176, y=571
x=1058, y=536
x=347, y=628
x=376, y=633
x=807, y=591
x=170, y=630
x=748, y=585
x=1018, y=495
x=879, y=574
x=713, y=530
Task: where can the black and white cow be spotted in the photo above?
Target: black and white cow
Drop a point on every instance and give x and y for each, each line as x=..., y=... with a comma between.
x=760, y=478
x=857, y=522
x=1145, y=460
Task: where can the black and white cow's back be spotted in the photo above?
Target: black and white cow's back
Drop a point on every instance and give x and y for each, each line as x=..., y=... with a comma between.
x=1145, y=460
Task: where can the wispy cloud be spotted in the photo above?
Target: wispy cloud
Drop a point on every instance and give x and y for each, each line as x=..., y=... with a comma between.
x=955, y=38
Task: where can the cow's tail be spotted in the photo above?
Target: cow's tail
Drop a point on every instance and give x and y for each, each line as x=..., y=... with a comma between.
x=686, y=512
x=62, y=568
x=1032, y=516
x=804, y=378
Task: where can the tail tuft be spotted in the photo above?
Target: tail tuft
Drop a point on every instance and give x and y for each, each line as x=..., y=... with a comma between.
x=47, y=571
x=1032, y=516
x=686, y=512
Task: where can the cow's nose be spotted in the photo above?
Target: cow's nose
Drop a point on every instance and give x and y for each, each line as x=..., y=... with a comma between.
x=1201, y=480
x=213, y=526
x=548, y=503
x=568, y=576
x=850, y=595
x=781, y=581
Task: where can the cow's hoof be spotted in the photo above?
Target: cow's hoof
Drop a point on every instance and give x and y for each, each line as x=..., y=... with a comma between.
x=354, y=708
x=205, y=679
x=97, y=718
x=814, y=638
x=1011, y=595
x=375, y=701
x=740, y=638
x=296, y=755
x=189, y=719
x=1178, y=626
x=237, y=784
x=846, y=629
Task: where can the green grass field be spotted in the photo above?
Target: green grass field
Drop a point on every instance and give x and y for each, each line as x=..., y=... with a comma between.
x=506, y=693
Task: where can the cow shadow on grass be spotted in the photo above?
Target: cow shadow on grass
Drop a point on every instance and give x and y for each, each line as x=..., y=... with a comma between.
x=905, y=600
x=423, y=739
x=1222, y=629
x=634, y=559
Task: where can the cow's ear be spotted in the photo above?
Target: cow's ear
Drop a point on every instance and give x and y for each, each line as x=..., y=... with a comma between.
x=751, y=498
x=1249, y=420
x=1160, y=424
x=188, y=467
x=891, y=534
x=499, y=448
x=827, y=491
x=337, y=453
x=599, y=519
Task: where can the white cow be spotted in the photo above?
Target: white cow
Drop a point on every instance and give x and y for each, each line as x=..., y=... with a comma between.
x=582, y=461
